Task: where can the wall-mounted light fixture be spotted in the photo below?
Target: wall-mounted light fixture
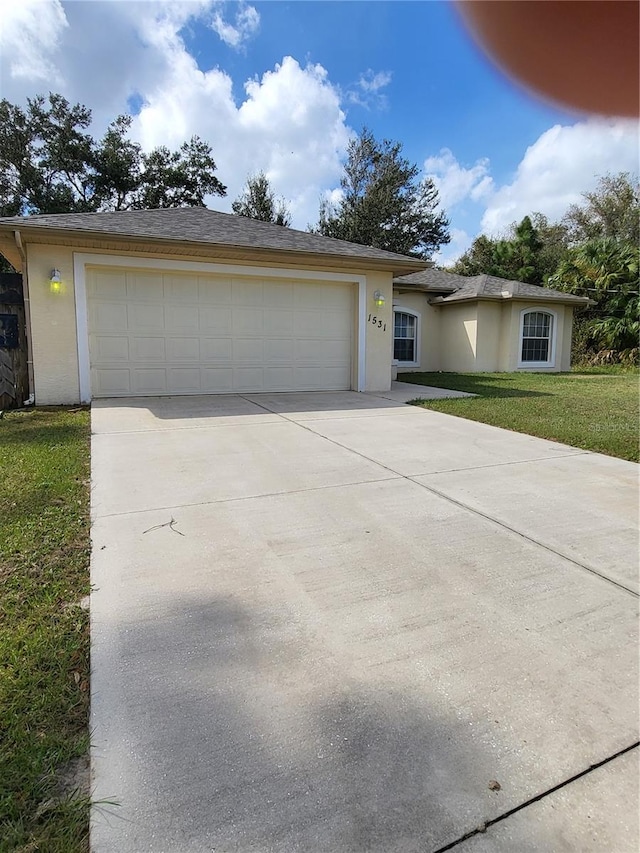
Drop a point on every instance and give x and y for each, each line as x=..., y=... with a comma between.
x=379, y=299
x=55, y=281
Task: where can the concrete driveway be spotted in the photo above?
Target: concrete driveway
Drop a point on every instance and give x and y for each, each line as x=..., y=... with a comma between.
x=333, y=622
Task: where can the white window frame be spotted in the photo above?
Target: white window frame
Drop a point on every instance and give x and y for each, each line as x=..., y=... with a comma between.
x=398, y=309
x=551, y=361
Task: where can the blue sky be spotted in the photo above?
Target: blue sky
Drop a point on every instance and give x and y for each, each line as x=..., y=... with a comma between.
x=283, y=86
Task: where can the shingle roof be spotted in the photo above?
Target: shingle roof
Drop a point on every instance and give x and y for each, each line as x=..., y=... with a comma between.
x=200, y=225
x=437, y=281
x=458, y=288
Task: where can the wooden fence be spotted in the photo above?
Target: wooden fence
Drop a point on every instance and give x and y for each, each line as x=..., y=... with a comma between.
x=14, y=377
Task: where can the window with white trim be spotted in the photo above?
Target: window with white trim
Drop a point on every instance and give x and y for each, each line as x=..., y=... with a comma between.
x=536, y=340
x=405, y=337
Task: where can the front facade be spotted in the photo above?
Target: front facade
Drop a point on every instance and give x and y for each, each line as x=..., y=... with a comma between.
x=190, y=301
x=449, y=323
x=228, y=305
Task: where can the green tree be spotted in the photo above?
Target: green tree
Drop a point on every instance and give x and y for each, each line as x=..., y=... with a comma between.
x=530, y=252
x=554, y=237
x=611, y=210
x=384, y=204
x=607, y=271
x=50, y=163
x=258, y=201
x=478, y=259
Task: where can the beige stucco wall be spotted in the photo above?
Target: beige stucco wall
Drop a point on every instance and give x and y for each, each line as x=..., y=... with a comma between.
x=379, y=340
x=53, y=326
x=458, y=336
x=428, y=330
x=485, y=336
x=490, y=320
x=53, y=322
x=510, y=335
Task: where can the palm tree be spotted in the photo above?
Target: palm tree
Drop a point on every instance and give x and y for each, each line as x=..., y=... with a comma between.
x=607, y=272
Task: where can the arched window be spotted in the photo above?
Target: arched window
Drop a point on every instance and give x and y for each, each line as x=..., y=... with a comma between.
x=405, y=336
x=537, y=339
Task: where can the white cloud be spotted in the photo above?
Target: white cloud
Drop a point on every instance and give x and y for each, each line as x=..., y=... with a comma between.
x=245, y=25
x=290, y=125
x=454, y=182
x=373, y=82
x=367, y=92
x=289, y=122
x=29, y=35
x=563, y=162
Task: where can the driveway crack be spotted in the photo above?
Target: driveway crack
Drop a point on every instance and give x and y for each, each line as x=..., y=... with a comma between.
x=485, y=826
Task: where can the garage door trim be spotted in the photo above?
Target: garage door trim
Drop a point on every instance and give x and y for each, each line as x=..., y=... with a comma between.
x=82, y=260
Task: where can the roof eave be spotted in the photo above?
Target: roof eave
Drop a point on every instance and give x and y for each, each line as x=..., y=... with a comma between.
x=576, y=301
x=421, y=288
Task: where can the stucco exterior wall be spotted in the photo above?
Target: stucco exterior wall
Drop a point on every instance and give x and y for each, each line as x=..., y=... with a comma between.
x=53, y=326
x=485, y=336
x=567, y=332
x=490, y=320
x=458, y=337
x=379, y=340
x=429, y=346
x=510, y=337
x=54, y=334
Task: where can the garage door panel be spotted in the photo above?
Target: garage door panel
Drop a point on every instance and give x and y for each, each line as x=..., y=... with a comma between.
x=112, y=382
x=248, y=349
x=145, y=287
x=108, y=317
x=154, y=333
x=278, y=294
x=278, y=322
x=248, y=378
x=181, y=318
x=321, y=378
x=216, y=349
x=108, y=285
x=278, y=378
x=216, y=291
x=322, y=352
x=248, y=321
x=314, y=324
x=183, y=349
x=183, y=380
x=278, y=350
x=148, y=317
x=111, y=348
x=246, y=292
x=216, y=321
x=216, y=380
x=148, y=349
x=181, y=288
x=149, y=380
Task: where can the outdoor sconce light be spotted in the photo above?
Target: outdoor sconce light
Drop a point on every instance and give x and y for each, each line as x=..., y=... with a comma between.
x=55, y=281
x=379, y=299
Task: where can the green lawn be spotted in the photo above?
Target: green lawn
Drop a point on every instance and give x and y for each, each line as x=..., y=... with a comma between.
x=594, y=408
x=44, y=632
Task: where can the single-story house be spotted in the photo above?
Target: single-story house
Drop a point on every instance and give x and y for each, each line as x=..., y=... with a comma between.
x=482, y=323
x=192, y=301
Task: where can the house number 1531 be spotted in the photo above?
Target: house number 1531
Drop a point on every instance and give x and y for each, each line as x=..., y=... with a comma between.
x=374, y=320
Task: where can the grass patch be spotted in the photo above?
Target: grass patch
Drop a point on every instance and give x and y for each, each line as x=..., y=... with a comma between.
x=595, y=408
x=44, y=632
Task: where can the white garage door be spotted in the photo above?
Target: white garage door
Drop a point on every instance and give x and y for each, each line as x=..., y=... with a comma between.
x=168, y=333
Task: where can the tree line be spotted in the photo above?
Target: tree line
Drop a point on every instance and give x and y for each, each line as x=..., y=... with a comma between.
x=51, y=163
